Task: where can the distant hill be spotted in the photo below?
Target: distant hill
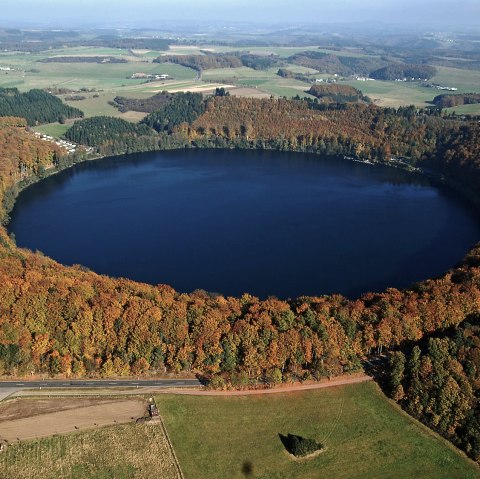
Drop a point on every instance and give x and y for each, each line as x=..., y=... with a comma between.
x=404, y=70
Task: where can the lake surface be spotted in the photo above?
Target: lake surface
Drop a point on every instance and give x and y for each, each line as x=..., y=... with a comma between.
x=263, y=222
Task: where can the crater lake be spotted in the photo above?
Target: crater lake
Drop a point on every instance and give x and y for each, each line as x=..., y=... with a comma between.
x=244, y=221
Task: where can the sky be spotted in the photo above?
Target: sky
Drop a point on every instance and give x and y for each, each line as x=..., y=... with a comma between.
x=75, y=13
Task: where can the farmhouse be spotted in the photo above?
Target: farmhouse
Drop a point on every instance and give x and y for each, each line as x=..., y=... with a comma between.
x=147, y=76
x=137, y=76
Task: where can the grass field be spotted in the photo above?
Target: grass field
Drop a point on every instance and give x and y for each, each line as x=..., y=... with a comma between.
x=364, y=434
x=466, y=109
x=87, y=75
x=266, y=81
x=53, y=129
x=394, y=94
x=109, y=80
x=118, y=452
x=467, y=81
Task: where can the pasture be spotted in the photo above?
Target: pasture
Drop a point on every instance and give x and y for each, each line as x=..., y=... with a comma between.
x=364, y=434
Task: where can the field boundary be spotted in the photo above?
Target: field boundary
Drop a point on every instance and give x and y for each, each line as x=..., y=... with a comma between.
x=172, y=449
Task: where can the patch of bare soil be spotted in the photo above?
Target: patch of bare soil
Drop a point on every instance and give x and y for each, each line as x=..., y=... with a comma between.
x=87, y=414
x=22, y=408
x=249, y=92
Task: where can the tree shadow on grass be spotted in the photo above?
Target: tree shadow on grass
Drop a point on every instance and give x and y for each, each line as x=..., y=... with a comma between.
x=247, y=469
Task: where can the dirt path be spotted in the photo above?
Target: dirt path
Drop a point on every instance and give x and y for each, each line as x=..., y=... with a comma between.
x=341, y=381
x=63, y=422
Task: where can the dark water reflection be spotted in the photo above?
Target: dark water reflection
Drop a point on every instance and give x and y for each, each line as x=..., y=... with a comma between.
x=267, y=223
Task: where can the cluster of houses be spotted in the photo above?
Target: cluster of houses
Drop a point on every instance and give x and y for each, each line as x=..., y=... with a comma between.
x=147, y=76
x=67, y=145
x=6, y=69
x=359, y=78
x=327, y=80
x=410, y=79
x=440, y=87
x=336, y=77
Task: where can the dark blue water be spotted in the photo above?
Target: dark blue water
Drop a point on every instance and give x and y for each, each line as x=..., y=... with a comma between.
x=267, y=223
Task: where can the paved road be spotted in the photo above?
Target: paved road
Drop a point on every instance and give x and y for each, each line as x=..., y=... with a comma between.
x=86, y=383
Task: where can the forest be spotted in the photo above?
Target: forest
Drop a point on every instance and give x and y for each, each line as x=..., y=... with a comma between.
x=438, y=382
x=210, y=60
x=202, y=62
x=342, y=65
x=181, y=108
x=364, y=131
x=336, y=93
x=448, y=101
x=399, y=71
x=71, y=322
x=112, y=135
x=36, y=106
x=146, y=105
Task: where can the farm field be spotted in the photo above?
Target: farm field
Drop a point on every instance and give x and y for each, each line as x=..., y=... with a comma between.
x=364, y=434
x=36, y=418
x=113, y=79
x=466, y=109
x=467, y=81
x=125, y=451
x=266, y=81
x=86, y=75
x=394, y=94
